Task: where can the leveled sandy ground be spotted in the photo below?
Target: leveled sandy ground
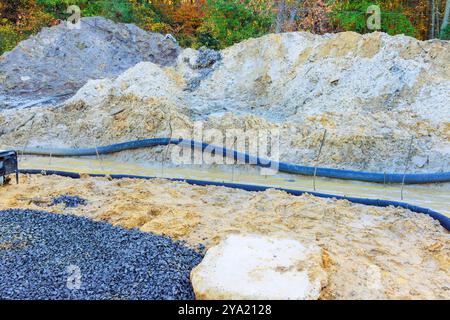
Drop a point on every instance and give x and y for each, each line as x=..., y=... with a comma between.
x=368, y=252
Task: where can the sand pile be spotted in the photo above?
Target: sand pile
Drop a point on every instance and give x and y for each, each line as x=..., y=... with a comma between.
x=373, y=93
x=60, y=60
x=367, y=252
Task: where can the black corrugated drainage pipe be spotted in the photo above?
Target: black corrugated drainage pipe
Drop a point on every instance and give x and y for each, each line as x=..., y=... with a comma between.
x=413, y=178
x=444, y=220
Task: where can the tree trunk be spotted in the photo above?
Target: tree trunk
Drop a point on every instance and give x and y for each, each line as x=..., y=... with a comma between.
x=280, y=16
x=445, y=19
x=293, y=13
x=433, y=17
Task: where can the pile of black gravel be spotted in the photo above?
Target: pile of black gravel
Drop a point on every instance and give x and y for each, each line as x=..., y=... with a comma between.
x=69, y=201
x=55, y=256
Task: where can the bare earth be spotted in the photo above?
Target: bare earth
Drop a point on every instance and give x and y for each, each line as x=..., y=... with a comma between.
x=372, y=93
x=368, y=252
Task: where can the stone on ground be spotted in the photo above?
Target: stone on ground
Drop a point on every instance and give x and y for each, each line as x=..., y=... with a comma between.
x=256, y=267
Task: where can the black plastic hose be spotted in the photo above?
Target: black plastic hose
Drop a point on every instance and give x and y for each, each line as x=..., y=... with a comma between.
x=444, y=220
x=414, y=178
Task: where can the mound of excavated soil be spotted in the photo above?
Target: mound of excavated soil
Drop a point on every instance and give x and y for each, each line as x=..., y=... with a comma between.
x=60, y=60
x=372, y=93
x=367, y=252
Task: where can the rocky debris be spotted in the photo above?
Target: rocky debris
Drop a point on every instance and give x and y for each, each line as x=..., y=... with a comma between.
x=59, y=60
x=206, y=58
x=205, y=63
x=68, y=201
x=55, y=256
x=259, y=268
x=372, y=93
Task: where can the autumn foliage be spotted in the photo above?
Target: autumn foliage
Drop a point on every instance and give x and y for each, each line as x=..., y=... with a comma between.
x=220, y=23
x=18, y=20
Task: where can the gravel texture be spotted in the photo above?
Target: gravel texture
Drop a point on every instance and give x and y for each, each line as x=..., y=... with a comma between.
x=69, y=201
x=206, y=62
x=52, y=256
x=207, y=58
x=368, y=252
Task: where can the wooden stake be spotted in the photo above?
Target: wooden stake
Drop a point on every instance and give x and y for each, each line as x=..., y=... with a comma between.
x=406, y=165
x=318, y=156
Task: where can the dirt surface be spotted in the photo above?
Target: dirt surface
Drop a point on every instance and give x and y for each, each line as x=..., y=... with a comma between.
x=372, y=93
x=368, y=252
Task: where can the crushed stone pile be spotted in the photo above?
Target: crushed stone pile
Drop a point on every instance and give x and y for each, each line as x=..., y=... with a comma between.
x=68, y=201
x=373, y=94
x=48, y=256
x=367, y=252
x=59, y=60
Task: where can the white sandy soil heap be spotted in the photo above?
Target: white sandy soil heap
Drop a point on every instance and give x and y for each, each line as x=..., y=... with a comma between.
x=373, y=93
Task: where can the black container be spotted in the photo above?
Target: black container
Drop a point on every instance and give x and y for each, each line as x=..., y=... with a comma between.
x=8, y=165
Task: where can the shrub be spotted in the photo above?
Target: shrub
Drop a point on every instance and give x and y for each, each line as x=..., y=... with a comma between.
x=445, y=34
x=8, y=37
x=118, y=10
x=18, y=20
x=351, y=16
x=231, y=21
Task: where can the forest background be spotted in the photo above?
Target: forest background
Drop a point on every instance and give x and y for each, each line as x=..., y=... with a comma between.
x=220, y=23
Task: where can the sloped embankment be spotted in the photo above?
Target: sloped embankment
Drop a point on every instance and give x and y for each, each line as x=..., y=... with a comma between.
x=59, y=60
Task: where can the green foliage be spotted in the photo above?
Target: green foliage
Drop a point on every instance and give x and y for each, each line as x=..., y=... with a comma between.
x=8, y=38
x=212, y=23
x=118, y=10
x=229, y=21
x=351, y=16
x=205, y=38
x=18, y=20
x=445, y=34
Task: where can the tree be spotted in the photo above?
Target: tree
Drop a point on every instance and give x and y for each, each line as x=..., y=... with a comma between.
x=231, y=21
x=279, y=21
x=433, y=17
x=315, y=17
x=445, y=19
x=351, y=16
x=18, y=20
x=289, y=9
